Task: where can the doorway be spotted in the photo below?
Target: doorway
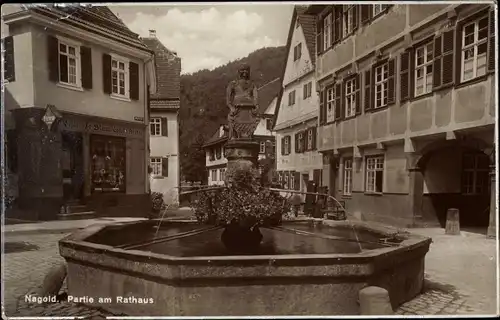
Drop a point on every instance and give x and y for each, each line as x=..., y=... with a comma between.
x=72, y=165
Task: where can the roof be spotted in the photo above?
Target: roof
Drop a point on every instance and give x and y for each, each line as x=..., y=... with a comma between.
x=215, y=138
x=83, y=17
x=267, y=93
x=308, y=23
x=168, y=70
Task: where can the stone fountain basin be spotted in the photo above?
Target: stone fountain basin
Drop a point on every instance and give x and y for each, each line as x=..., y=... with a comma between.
x=258, y=285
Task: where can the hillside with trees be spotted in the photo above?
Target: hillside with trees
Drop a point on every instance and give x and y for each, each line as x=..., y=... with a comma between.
x=203, y=103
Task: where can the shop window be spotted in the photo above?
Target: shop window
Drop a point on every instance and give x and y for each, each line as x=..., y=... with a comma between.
x=108, y=163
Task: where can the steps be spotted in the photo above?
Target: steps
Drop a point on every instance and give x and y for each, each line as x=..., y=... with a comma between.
x=74, y=210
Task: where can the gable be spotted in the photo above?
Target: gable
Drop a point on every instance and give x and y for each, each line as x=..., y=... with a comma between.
x=296, y=68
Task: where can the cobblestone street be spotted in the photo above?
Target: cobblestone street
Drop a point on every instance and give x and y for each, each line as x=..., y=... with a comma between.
x=453, y=287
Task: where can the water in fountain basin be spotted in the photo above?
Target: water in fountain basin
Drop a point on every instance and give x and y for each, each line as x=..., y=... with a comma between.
x=275, y=242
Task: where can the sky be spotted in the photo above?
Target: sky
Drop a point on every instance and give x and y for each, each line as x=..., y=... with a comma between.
x=204, y=35
x=208, y=36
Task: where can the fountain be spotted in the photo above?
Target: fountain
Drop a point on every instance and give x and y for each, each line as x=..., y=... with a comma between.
x=240, y=258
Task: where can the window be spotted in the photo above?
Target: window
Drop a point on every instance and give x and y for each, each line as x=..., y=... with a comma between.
x=330, y=105
x=285, y=180
x=286, y=141
x=211, y=155
x=222, y=174
x=214, y=174
x=327, y=26
x=297, y=52
x=347, y=176
x=155, y=126
x=69, y=64
x=379, y=8
x=107, y=163
x=269, y=124
x=475, y=176
x=307, y=90
x=423, y=69
x=381, y=87
x=309, y=139
x=350, y=97
x=218, y=153
x=374, y=174
x=291, y=98
x=348, y=19
x=156, y=164
x=300, y=142
x=119, y=77
x=262, y=147
x=292, y=181
x=474, y=47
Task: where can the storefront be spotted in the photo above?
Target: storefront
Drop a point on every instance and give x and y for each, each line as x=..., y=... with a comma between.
x=94, y=161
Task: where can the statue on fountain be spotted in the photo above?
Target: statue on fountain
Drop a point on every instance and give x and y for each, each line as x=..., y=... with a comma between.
x=241, y=99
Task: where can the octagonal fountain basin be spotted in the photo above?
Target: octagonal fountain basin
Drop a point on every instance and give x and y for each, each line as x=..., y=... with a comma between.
x=183, y=269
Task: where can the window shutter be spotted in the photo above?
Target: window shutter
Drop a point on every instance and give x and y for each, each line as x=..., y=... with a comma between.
x=53, y=58
x=411, y=77
x=447, y=58
x=367, y=93
x=358, y=94
x=491, y=43
x=322, y=107
x=297, y=180
x=282, y=146
x=106, y=73
x=86, y=64
x=297, y=143
x=314, y=137
x=289, y=138
x=366, y=13
x=337, y=24
x=391, y=81
x=342, y=100
x=332, y=28
x=355, y=13
x=134, y=80
x=164, y=167
x=404, y=85
x=164, y=127
x=319, y=36
x=338, y=102
x=436, y=69
x=9, y=66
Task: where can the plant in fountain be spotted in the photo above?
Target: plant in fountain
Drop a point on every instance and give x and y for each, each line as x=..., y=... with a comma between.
x=242, y=207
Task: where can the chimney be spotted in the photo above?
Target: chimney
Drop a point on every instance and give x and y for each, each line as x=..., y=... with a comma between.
x=152, y=33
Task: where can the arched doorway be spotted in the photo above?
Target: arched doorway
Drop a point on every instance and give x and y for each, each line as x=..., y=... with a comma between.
x=456, y=175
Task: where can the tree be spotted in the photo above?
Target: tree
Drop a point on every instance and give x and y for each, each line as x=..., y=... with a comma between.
x=193, y=161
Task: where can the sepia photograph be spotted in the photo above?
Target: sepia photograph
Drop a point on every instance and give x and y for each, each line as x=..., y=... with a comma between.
x=249, y=159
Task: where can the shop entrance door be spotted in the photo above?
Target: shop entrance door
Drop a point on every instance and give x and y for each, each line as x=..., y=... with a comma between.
x=72, y=165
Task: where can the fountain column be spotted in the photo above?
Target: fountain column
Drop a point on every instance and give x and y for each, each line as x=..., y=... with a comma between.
x=241, y=149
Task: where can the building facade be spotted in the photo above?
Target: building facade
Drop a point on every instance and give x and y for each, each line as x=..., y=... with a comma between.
x=76, y=110
x=164, y=122
x=299, y=164
x=216, y=161
x=407, y=110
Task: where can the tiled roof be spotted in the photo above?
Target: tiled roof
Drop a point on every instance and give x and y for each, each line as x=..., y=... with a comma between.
x=308, y=24
x=164, y=104
x=267, y=93
x=168, y=70
x=99, y=17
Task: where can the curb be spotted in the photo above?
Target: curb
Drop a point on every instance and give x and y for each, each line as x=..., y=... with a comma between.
x=39, y=231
